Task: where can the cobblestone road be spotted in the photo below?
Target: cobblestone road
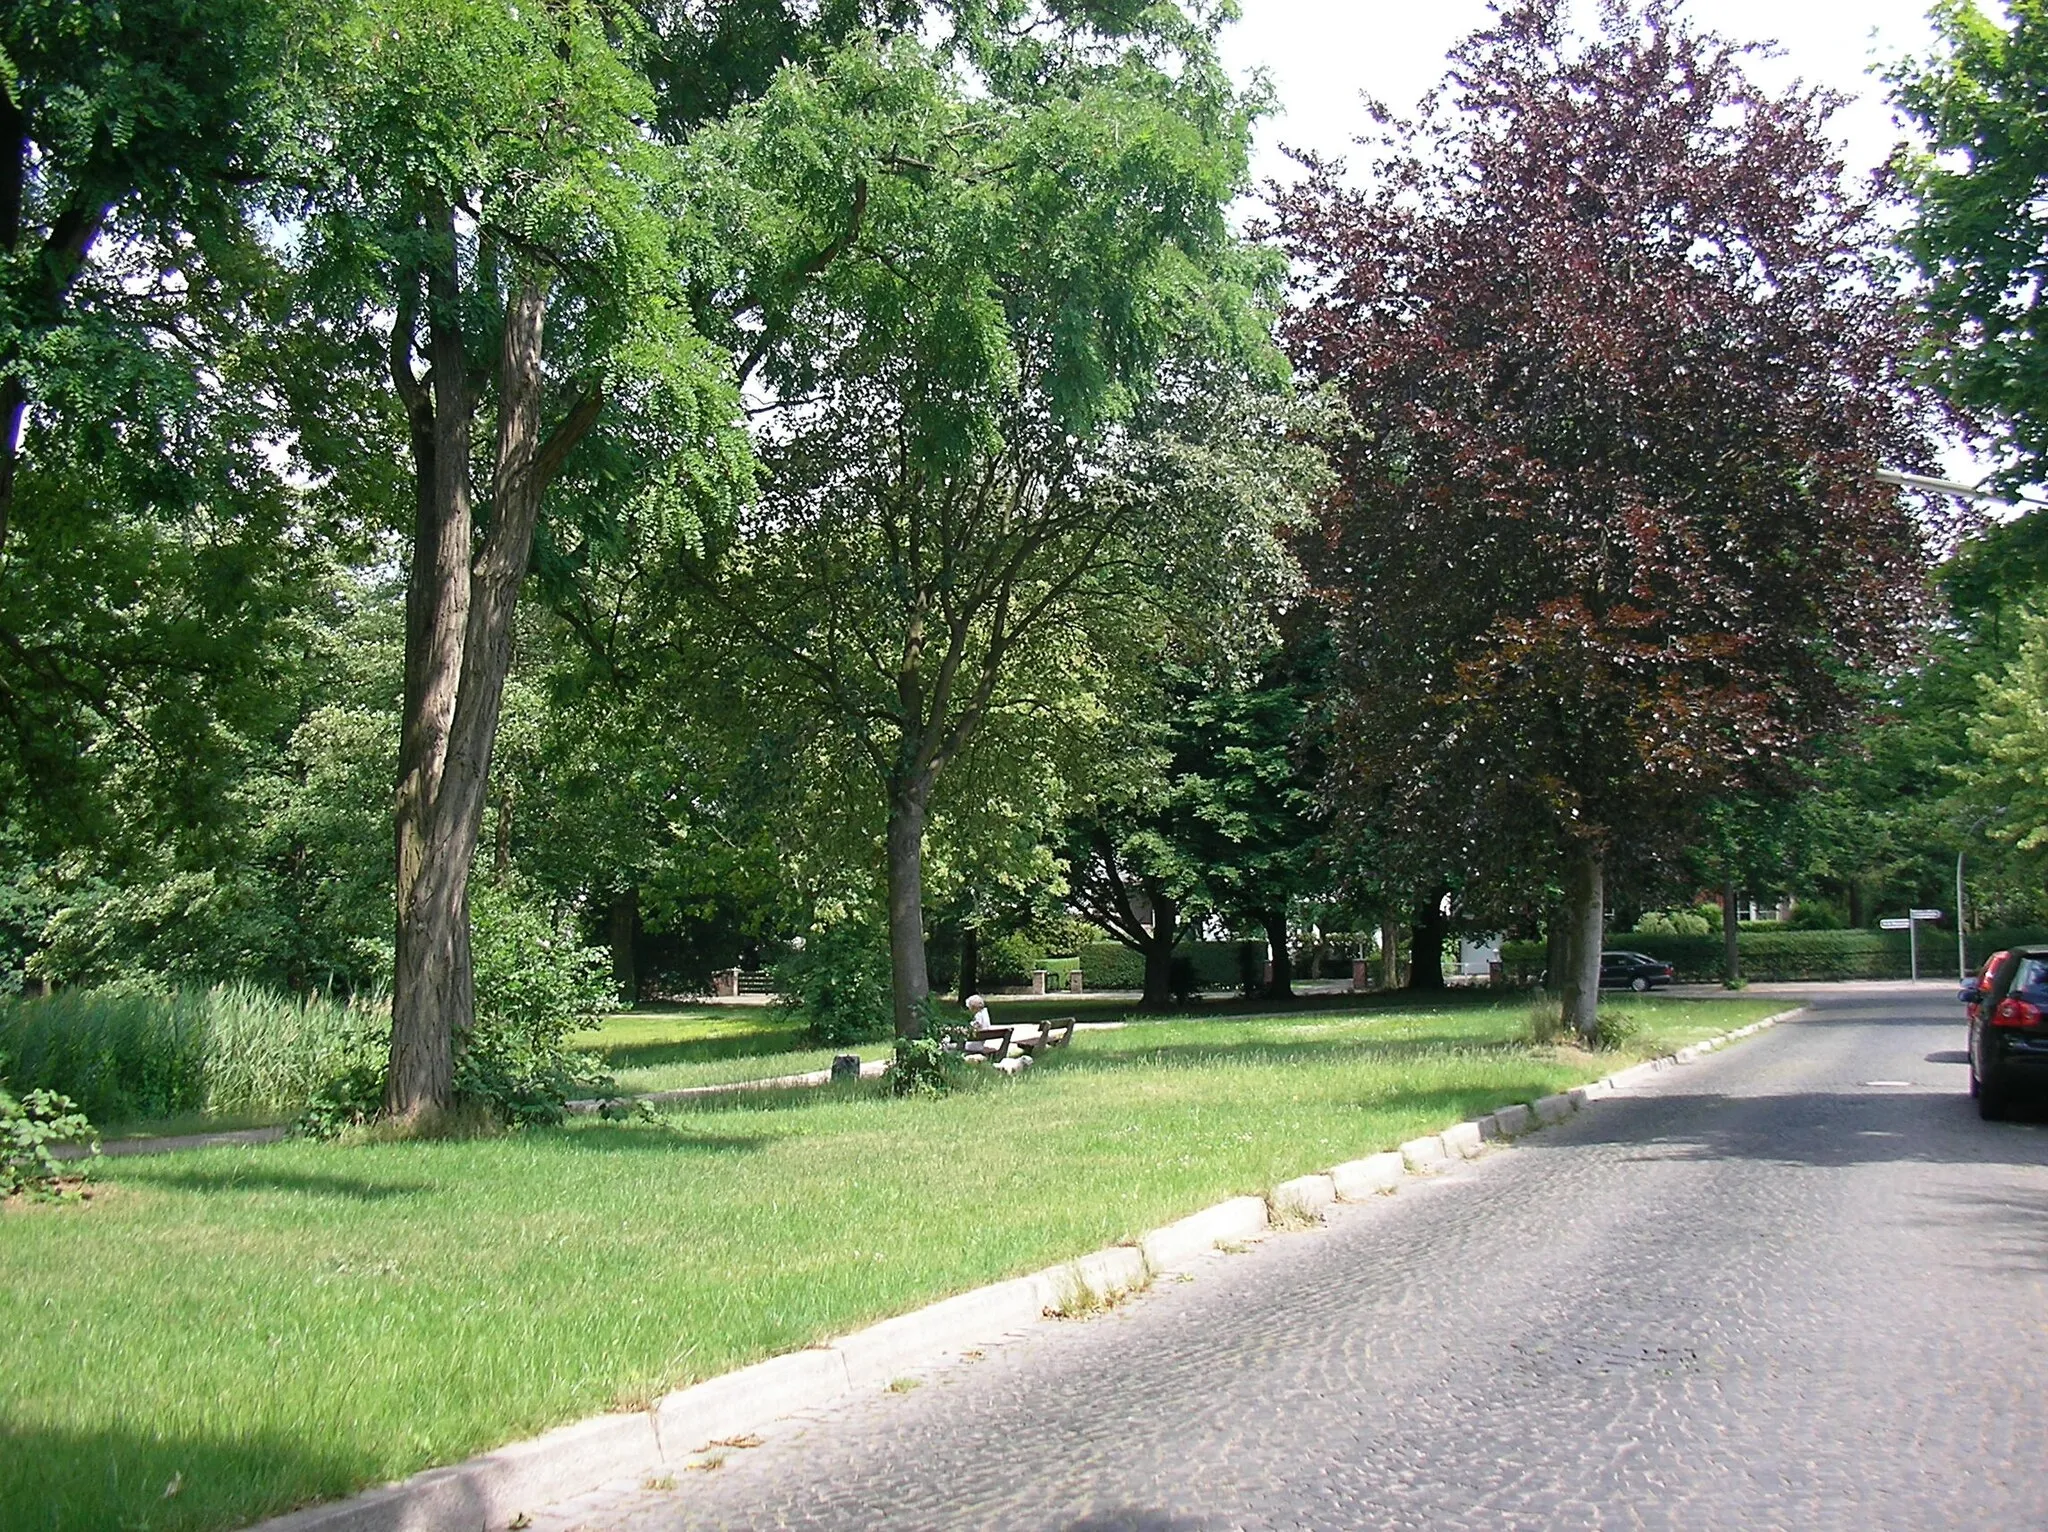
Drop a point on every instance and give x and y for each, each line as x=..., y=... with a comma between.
x=1798, y=1284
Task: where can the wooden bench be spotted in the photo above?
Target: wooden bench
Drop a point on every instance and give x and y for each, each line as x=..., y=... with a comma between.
x=998, y=1043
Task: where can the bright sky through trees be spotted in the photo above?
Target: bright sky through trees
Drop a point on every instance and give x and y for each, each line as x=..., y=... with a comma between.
x=1321, y=53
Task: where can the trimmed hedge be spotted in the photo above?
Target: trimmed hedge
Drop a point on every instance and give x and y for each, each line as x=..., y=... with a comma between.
x=1214, y=965
x=1796, y=956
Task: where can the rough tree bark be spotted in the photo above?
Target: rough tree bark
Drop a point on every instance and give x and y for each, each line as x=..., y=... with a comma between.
x=1731, y=936
x=910, y=981
x=458, y=651
x=1426, y=956
x=1585, y=927
x=1390, y=953
x=1158, y=948
x=1281, y=985
x=623, y=928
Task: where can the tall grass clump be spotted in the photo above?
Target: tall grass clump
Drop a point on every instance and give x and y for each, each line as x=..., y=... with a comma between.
x=124, y=1054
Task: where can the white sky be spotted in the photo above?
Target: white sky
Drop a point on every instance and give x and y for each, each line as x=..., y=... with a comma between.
x=1321, y=54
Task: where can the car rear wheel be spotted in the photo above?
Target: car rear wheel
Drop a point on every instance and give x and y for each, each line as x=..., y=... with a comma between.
x=1992, y=1093
x=1639, y=984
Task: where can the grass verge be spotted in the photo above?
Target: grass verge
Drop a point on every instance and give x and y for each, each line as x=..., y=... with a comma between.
x=224, y=1334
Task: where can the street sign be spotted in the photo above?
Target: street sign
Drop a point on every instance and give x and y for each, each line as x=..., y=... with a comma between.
x=1926, y=914
x=1894, y=925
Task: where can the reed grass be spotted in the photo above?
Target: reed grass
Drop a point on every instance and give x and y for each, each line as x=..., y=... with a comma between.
x=233, y=1050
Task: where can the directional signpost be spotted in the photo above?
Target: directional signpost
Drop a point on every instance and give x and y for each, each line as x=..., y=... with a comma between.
x=1911, y=924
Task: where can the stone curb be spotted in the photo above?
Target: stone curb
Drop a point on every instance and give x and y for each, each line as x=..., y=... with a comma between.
x=496, y=1488
x=871, y=1070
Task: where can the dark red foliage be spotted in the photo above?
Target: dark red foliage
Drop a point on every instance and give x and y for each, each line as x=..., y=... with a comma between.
x=1623, y=353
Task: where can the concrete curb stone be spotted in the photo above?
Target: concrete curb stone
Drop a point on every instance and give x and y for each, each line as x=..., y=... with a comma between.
x=1357, y=1180
x=1174, y=1247
x=1304, y=1196
x=1464, y=1139
x=495, y=1488
x=1513, y=1121
x=1423, y=1153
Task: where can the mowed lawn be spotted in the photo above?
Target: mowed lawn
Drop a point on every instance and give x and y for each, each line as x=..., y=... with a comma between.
x=685, y=1045
x=225, y=1334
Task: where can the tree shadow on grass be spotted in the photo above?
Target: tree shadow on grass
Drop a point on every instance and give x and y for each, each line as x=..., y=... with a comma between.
x=707, y=1050
x=242, y=1178
x=662, y=1137
x=163, y=1481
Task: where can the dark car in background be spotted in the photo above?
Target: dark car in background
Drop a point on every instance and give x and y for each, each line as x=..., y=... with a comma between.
x=2009, y=1031
x=1633, y=970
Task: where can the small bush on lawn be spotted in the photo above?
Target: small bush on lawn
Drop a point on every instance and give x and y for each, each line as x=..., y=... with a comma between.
x=838, y=985
x=536, y=984
x=930, y=1065
x=31, y=1126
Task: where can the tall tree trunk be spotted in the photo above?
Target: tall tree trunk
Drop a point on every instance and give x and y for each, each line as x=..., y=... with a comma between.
x=431, y=957
x=1585, y=876
x=970, y=960
x=1390, y=953
x=1426, y=957
x=623, y=928
x=1159, y=949
x=1857, y=913
x=467, y=627
x=1731, y=936
x=1281, y=985
x=909, y=982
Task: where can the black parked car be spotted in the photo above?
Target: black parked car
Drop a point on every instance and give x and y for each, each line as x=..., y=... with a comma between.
x=2009, y=1031
x=1633, y=970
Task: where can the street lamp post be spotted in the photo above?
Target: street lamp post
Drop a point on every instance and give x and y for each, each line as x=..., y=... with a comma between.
x=1962, y=951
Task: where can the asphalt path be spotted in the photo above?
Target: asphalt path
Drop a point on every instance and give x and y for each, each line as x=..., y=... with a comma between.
x=1797, y=1284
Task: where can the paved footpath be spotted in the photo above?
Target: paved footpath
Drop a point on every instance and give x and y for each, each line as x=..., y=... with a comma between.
x=1795, y=1285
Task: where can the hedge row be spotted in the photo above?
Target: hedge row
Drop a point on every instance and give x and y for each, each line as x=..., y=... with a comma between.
x=1797, y=956
x=1213, y=965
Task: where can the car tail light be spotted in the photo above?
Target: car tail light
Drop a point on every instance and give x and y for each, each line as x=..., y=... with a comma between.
x=2016, y=1013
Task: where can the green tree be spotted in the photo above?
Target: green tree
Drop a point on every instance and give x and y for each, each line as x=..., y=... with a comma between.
x=153, y=554
x=1980, y=226
x=485, y=179
x=985, y=309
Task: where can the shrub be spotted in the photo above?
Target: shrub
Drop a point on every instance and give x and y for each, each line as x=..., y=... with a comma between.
x=927, y=1065
x=1675, y=923
x=1111, y=965
x=536, y=984
x=1198, y=966
x=838, y=984
x=30, y=1127
x=1006, y=962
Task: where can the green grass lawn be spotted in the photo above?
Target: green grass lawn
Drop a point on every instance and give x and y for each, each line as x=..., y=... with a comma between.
x=267, y=1326
x=670, y=1049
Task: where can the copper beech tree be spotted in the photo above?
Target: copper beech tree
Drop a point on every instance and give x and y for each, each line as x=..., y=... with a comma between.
x=1624, y=357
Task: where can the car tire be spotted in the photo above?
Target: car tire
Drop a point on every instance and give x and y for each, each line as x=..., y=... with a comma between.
x=1992, y=1091
x=1639, y=984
